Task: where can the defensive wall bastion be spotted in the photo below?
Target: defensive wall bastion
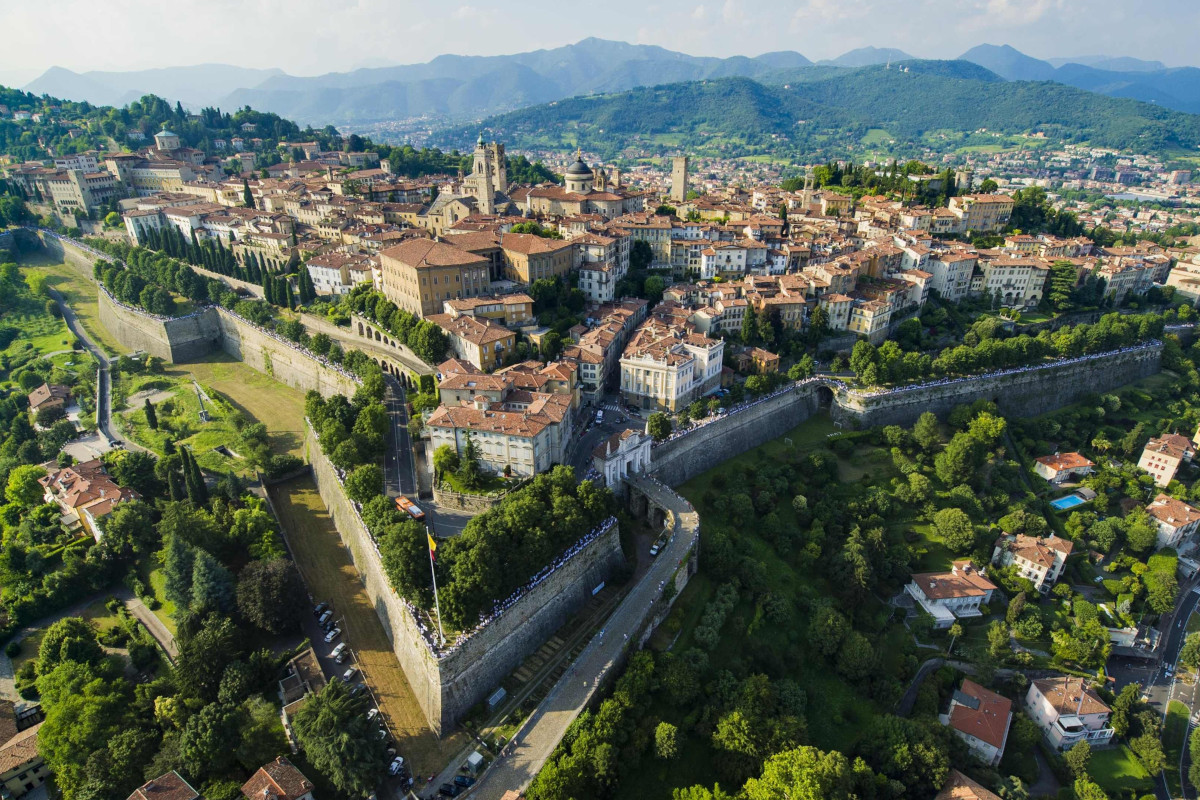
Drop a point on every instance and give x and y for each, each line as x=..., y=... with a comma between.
x=449, y=682
x=1018, y=393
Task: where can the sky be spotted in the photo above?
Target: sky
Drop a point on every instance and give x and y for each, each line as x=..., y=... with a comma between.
x=308, y=37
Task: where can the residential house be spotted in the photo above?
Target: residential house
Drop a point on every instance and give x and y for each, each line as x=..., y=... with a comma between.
x=1061, y=467
x=755, y=360
x=22, y=768
x=960, y=787
x=86, y=493
x=980, y=718
x=1038, y=559
x=1176, y=520
x=304, y=677
x=1163, y=456
x=951, y=595
x=1069, y=711
x=170, y=786
x=278, y=780
x=49, y=395
x=522, y=434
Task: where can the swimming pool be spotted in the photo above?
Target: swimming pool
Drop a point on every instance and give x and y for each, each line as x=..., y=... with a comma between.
x=1070, y=501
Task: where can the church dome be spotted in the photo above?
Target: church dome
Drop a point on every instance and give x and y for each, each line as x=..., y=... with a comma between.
x=579, y=168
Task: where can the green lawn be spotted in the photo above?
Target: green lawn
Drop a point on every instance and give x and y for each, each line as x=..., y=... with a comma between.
x=1119, y=773
x=1193, y=623
x=82, y=295
x=157, y=584
x=932, y=554
x=876, y=136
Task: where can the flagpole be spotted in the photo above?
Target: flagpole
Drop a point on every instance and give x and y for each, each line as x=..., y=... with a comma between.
x=436, y=605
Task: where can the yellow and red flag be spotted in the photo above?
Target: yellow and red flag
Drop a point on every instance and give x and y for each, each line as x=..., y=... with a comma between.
x=432, y=548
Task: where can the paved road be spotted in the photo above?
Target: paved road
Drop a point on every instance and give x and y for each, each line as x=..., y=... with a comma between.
x=1163, y=689
x=401, y=476
x=541, y=733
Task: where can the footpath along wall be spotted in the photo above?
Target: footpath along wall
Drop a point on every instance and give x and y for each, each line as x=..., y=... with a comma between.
x=449, y=682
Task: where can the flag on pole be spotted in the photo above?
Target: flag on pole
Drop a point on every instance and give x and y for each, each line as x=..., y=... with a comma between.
x=432, y=547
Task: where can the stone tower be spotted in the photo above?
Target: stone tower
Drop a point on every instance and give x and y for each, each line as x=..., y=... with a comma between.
x=499, y=167
x=479, y=185
x=679, y=178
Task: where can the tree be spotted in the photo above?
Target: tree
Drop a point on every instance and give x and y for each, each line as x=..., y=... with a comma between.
x=955, y=528
x=749, y=327
x=1077, y=759
x=151, y=416
x=84, y=712
x=1149, y=750
x=270, y=595
x=826, y=630
x=666, y=741
x=988, y=186
x=658, y=425
x=212, y=585
x=247, y=195
x=364, y=483
x=911, y=751
x=856, y=658
x=926, y=432
x=1190, y=654
x=23, y=487
x=205, y=743
x=128, y=531
x=69, y=639
x=339, y=740
x=956, y=630
x=806, y=773
x=445, y=461
x=204, y=656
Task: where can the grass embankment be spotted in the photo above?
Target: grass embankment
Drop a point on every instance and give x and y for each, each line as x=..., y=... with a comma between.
x=1175, y=731
x=81, y=294
x=331, y=577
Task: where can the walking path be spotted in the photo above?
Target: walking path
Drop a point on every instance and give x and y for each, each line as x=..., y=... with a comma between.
x=539, y=736
x=152, y=623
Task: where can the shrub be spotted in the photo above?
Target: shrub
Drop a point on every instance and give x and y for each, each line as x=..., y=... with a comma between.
x=12, y=649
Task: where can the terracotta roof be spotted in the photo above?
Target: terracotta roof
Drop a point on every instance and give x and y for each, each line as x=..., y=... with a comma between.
x=1175, y=513
x=477, y=383
x=19, y=749
x=1039, y=551
x=1064, y=461
x=528, y=244
x=278, y=780
x=428, y=253
x=170, y=786
x=473, y=330
x=1171, y=444
x=1071, y=696
x=964, y=581
x=981, y=713
x=960, y=787
x=456, y=366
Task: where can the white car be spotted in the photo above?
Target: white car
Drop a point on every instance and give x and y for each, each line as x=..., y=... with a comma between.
x=333, y=634
x=373, y=713
x=397, y=766
x=336, y=652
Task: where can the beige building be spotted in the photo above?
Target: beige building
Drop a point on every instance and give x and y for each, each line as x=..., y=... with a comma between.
x=1069, y=712
x=982, y=212
x=512, y=310
x=22, y=768
x=523, y=434
x=1163, y=456
x=528, y=258
x=1037, y=559
x=420, y=275
x=480, y=342
x=1061, y=467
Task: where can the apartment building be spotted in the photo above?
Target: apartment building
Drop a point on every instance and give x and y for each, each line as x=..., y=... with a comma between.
x=1037, y=559
x=951, y=273
x=524, y=433
x=480, y=342
x=1163, y=456
x=601, y=261
x=528, y=258
x=1126, y=278
x=420, y=275
x=338, y=273
x=510, y=310
x=1069, y=712
x=1017, y=282
x=984, y=213
x=1176, y=520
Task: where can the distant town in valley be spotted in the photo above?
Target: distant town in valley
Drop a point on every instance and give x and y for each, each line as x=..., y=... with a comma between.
x=780, y=429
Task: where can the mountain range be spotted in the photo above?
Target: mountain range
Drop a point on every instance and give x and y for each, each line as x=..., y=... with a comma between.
x=833, y=112
x=456, y=87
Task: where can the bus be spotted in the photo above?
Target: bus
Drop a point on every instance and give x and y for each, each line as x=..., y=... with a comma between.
x=410, y=508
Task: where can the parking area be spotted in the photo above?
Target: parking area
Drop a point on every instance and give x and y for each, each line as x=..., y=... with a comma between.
x=330, y=576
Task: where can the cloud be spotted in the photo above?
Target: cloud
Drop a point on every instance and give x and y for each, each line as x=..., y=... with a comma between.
x=699, y=13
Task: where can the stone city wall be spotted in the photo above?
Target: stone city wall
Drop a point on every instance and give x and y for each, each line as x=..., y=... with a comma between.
x=174, y=340
x=1018, y=393
x=282, y=360
x=448, y=686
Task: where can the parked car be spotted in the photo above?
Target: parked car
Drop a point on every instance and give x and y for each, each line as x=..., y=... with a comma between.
x=337, y=652
x=397, y=766
x=599, y=416
x=357, y=689
x=342, y=657
x=320, y=609
x=333, y=634
x=349, y=674
x=325, y=617
x=373, y=713
x=465, y=781
x=449, y=790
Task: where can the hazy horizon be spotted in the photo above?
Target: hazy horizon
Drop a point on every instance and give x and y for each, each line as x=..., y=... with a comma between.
x=340, y=37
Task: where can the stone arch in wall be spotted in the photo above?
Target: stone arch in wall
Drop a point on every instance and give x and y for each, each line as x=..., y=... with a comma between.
x=824, y=397
x=361, y=330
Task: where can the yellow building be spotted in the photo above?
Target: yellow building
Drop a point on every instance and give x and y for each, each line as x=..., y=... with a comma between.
x=528, y=258
x=481, y=342
x=420, y=275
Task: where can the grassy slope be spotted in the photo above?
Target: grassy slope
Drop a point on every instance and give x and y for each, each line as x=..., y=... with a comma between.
x=80, y=293
x=1118, y=772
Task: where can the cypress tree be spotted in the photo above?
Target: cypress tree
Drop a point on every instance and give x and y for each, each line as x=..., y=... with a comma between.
x=175, y=486
x=247, y=196
x=151, y=416
x=289, y=301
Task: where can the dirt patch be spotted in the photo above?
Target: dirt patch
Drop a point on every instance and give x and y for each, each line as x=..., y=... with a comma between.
x=325, y=564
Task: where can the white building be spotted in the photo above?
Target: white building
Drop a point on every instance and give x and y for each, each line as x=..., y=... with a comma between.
x=623, y=454
x=1069, y=711
x=524, y=434
x=666, y=367
x=980, y=718
x=1176, y=520
x=948, y=596
x=1037, y=559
